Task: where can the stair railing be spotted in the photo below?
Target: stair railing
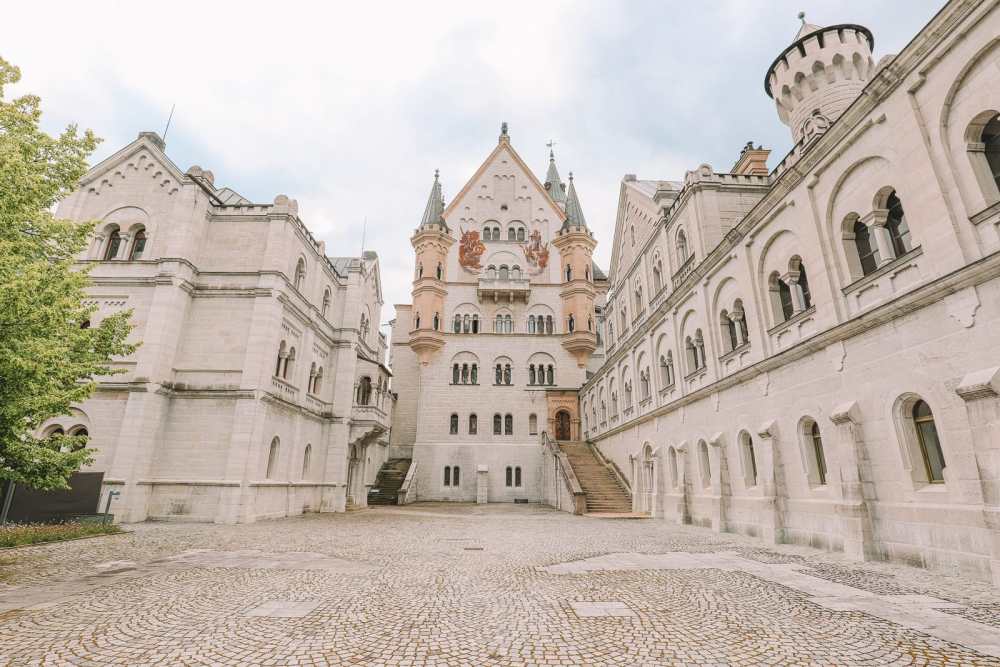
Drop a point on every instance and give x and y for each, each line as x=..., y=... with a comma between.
x=408, y=489
x=565, y=485
x=612, y=466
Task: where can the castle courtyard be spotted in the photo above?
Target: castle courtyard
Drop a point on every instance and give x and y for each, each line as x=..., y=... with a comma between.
x=461, y=584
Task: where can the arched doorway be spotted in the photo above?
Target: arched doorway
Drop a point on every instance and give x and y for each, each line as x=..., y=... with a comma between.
x=562, y=425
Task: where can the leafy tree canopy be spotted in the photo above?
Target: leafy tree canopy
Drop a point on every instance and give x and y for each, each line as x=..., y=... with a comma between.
x=49, y=353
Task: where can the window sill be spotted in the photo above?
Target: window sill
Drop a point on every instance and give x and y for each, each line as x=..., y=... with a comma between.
x=888, y=267
x=989, y=214
x=502, y=384
x=736, y=351
x=698, y=373
x=797, y=317
x=464, y=384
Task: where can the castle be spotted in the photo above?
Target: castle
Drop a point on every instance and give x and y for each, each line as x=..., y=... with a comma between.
x=805, y=353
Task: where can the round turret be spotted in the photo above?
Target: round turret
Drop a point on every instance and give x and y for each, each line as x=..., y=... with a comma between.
x=819, y=75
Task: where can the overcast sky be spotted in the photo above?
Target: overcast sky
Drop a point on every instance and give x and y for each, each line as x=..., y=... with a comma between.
x=350, y=108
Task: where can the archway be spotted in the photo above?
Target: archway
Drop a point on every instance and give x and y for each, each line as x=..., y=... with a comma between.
x=562, y=425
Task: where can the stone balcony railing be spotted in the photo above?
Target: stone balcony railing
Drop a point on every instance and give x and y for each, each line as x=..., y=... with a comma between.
x=371, y=413
x=509, y=290
x=683, y=272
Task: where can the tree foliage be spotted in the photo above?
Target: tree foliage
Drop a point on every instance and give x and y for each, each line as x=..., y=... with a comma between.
x=49, y=355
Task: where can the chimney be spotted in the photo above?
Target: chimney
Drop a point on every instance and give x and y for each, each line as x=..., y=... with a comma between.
x=752, y=162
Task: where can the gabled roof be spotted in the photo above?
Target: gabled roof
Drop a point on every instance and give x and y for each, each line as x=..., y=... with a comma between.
x=146, y=140
x=503, y=146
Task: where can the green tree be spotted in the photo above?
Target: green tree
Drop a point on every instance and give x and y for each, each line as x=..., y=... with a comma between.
x=49, y=355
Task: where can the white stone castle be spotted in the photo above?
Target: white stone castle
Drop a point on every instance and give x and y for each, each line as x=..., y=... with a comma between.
x=807, y=354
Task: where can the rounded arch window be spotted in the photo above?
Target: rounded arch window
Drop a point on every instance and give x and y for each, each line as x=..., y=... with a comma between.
x=114, y=244
x=929, y=442
x=138, y=245
x=899, y=231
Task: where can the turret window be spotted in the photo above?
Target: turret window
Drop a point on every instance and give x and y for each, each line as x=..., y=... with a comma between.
x=439, y=272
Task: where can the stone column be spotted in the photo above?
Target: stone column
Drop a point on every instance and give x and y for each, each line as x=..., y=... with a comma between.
x=123, y=248
x=736, y=317
x=798, y=296
x=716, y=457
x=981, y=392
x=856, y=489
x=875, y=222
x=482, y=484
x=770, y=480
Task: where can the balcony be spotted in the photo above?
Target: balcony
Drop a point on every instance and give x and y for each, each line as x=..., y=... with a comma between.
x=683, y=272
x=368, y=423
x=500, y=290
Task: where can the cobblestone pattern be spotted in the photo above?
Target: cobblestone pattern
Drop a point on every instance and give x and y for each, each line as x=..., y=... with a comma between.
x=416, y=595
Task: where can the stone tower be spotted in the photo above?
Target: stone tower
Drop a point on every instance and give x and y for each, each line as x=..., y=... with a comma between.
x=576, y=244
x=819, y=75
x=431, y=242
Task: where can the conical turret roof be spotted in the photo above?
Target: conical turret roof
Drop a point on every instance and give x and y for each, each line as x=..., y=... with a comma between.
x=435, y=205
x=553, y=184
x=574, y=212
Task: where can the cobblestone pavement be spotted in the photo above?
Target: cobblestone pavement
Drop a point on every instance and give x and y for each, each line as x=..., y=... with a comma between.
x=466, y=585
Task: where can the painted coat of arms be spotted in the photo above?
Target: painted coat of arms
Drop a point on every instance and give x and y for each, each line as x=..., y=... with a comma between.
x=470, y=249
x=536, y=253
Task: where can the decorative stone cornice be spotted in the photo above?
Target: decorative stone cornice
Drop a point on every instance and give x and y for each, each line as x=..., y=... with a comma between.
x=846, y=413
x=984, y=383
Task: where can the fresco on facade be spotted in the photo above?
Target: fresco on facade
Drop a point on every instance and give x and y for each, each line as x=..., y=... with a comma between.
x=470, y=249
x=536, y=253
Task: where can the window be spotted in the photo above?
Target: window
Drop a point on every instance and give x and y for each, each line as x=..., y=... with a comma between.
x=644, y=384
x=289, y=364
x=551, y=375
x=785, y=297
x=818, y=456
x=138, y=245
x=682, y=247
x=282, y=354
x=509, y=477
x=326, y=303
x=453, y=424
x=569, y=273
x=749, y=461
x=803, y=283
x=300, y=273
x=473, y=424
x=730, y=338
x=520, y=233
x=475, y=324
x=455, y=373
x=451, y=476
x=497, y=424
x=531, y=324
x=316, y=381
x=548, y=324
x=364, y=393
x=272, y=459
x=439, y=272
x=533, y=424
x=511, y=234
x=930, y=444
x=706, y=464
x=457, y=326
x=983, y=137
x=517, y=476
x=531, y=374
x=867, y=255
x=899, y=231
x=515, y=272
x=667, y=369
x=306, y=456
x=114, y=244
x=571, y=323
x=475, y=373
x=437, y=321
x=506, y=374
x=504, y=272
x=508, y=425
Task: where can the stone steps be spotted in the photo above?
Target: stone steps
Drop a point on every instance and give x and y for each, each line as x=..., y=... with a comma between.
x=390, y=478
x=604, y=493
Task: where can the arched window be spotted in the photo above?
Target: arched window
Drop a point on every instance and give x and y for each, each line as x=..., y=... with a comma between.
x=520, y=233
x=473, y=424
x=867, y=254
x=272, y=459
x=453, y=424
x=804, y=286
x=289, y=364
x=749, y=461
x=491, y=272
x=533, y=424
x=475, y=324
x=317, y=381
x=569, y=273
x=571, y=323
x=506, y=374
x=517, y=476
x=114, y=244
x=531, y=324
x=511, y=234
x=364, y=390
x=787, y=307
x=515, y=273
x=457, y=326
x=504, y=272
x=455, y=475
x=682, y=246
x=692, y=354
x=306, y=456
x=551, y=375
x=730, y=339
x=548, y=324
x=508, y=425
x=436, y=321
x=455, y=373
x=984, y=149
x=706, y=464
x=420, y=270
x=498, y=375
x=138, y=245
x=465, y=373
x=508, y=324
x=497, y=424
x=531, y=374
x=439, y=272
x=930, y=444
x=509, y=477
x=498, y=324
x=416, y=322
x=300, y=273
x=899, y=231
x=326, y=303
x=818, y=462
x=644, y=384
x=447, y=475
x=279, y=366
x=475, y=373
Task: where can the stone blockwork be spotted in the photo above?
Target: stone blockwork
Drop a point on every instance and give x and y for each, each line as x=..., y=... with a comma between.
x=260, y=388
x=810, y=356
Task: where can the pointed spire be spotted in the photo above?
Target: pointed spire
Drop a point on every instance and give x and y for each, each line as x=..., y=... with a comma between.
x=553, y=184
x=435, y=205
x=574, y=212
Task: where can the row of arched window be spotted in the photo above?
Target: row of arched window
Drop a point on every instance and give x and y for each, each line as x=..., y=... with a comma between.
x=274, y=460
x=452, y=476
x=503, y=323
x=502, y=424
x=115, y=242
x=299, y=284
x=504, y=272
x=542, y=375
x=466, y=323
x=438, y=271
x=515, y=232
x=465, y=373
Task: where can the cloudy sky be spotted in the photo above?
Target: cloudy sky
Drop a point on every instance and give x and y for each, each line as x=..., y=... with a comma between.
x=350, y=108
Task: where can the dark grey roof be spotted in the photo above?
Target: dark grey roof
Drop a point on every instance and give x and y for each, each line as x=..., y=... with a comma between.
x=229, y=197
x=597, y=272
x=435, y=205
x=553, y=184
x=574, y=212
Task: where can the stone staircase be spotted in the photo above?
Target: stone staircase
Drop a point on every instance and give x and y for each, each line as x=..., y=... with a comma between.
x=605, y=494
x=390, y=477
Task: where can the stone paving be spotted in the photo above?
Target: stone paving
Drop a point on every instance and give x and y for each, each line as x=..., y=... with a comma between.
x=446, y=585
